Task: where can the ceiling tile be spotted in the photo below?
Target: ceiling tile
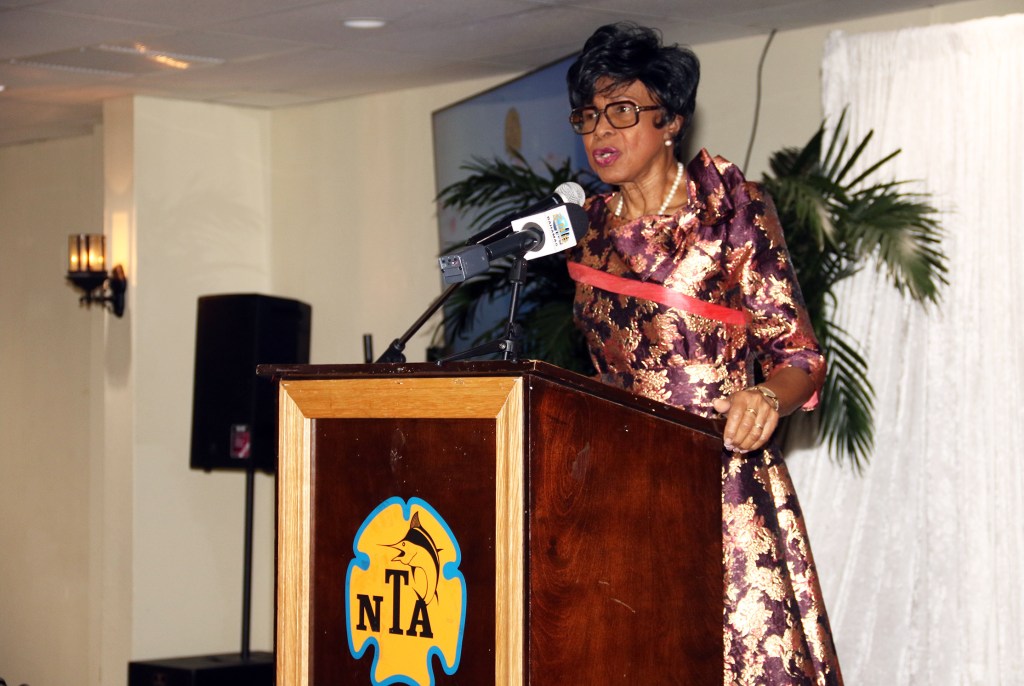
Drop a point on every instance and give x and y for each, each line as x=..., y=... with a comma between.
x=29, y=32
x=177, y=13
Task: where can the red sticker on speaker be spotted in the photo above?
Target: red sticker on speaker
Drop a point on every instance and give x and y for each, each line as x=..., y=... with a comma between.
x=241, y=442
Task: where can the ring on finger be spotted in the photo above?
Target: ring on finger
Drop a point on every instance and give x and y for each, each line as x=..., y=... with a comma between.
x=759, y=426
x=752, y=411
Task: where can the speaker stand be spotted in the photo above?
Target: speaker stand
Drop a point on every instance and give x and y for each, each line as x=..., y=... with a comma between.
x=250, y=487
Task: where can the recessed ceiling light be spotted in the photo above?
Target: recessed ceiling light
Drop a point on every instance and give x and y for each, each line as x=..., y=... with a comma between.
x=365, y=23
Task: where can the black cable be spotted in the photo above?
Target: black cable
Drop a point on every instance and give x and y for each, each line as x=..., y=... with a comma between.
x=757, y=101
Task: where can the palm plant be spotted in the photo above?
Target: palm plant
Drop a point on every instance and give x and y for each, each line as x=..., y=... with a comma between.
x=836, y=222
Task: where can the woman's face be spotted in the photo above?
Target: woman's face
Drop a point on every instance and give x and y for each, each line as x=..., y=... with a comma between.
x=624, y=156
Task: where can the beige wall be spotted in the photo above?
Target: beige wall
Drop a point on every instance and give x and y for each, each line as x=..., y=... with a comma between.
x=48, y=348
x=110, y=547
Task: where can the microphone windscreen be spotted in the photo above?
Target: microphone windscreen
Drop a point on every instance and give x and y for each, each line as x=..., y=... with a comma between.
x=571, y=192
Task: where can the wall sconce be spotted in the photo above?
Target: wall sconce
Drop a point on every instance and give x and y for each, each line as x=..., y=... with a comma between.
x=87, y=271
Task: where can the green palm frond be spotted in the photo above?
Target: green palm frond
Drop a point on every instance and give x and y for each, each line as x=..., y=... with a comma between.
x=848, y=427
x=902, y=232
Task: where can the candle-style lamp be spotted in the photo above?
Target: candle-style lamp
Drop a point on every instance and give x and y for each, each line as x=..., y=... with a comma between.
x=87, y=271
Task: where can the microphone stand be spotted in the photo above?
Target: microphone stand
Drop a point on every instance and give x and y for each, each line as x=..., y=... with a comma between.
x=507, y=345
x=394, y=352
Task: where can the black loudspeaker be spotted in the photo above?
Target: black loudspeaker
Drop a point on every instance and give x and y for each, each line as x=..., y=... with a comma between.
x=234, y=412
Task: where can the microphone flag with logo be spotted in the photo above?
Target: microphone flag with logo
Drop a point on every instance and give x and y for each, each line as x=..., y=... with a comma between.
x=535, y=236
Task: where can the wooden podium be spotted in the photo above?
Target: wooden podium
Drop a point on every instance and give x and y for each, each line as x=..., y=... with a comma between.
x=567, y=532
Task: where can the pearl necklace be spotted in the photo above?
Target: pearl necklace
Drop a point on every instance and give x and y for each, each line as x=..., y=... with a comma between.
x=668, y=198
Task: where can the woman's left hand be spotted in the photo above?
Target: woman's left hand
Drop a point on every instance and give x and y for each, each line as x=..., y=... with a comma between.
x=750, y=420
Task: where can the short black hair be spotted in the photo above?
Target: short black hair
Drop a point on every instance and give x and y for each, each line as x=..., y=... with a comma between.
x=626, y=52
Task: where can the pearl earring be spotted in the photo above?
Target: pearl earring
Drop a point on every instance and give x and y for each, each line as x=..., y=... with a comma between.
x=668, y=142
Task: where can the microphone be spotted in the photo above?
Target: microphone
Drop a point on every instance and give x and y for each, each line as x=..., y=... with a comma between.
x=568, y=192
x=530, y=237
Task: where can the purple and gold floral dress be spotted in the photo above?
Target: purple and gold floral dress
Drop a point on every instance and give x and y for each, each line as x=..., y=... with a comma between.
x=680, y=308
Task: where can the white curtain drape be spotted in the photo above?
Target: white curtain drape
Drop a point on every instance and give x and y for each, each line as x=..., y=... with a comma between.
x=922, y=556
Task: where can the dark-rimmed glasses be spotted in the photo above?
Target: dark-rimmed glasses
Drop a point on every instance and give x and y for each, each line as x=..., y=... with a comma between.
x=622, y=115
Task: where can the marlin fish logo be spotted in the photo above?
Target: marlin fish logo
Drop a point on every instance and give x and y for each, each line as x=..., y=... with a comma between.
x=418, y=551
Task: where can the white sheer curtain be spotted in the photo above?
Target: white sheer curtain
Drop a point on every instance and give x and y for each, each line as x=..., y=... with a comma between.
x=922, y=557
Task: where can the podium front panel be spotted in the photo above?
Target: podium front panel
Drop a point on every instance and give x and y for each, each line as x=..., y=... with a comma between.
x=446, y=463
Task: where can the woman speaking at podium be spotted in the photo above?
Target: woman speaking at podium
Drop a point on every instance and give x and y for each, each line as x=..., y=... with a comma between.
x=684, y=289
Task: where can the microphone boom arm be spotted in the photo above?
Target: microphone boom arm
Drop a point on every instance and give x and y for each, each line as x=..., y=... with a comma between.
x=394, y=352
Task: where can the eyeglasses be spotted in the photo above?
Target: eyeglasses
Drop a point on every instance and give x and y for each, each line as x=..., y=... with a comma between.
x=621, y=115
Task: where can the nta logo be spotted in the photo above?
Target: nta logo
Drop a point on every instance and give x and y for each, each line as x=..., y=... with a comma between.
x=404, y=593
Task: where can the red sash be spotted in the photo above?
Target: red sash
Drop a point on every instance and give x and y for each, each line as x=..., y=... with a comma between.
x=655, y=293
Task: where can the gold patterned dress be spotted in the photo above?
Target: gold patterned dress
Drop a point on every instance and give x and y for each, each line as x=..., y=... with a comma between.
x=682, y=308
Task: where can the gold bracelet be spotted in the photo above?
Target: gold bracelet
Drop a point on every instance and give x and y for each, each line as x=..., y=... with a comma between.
x=768, y=394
